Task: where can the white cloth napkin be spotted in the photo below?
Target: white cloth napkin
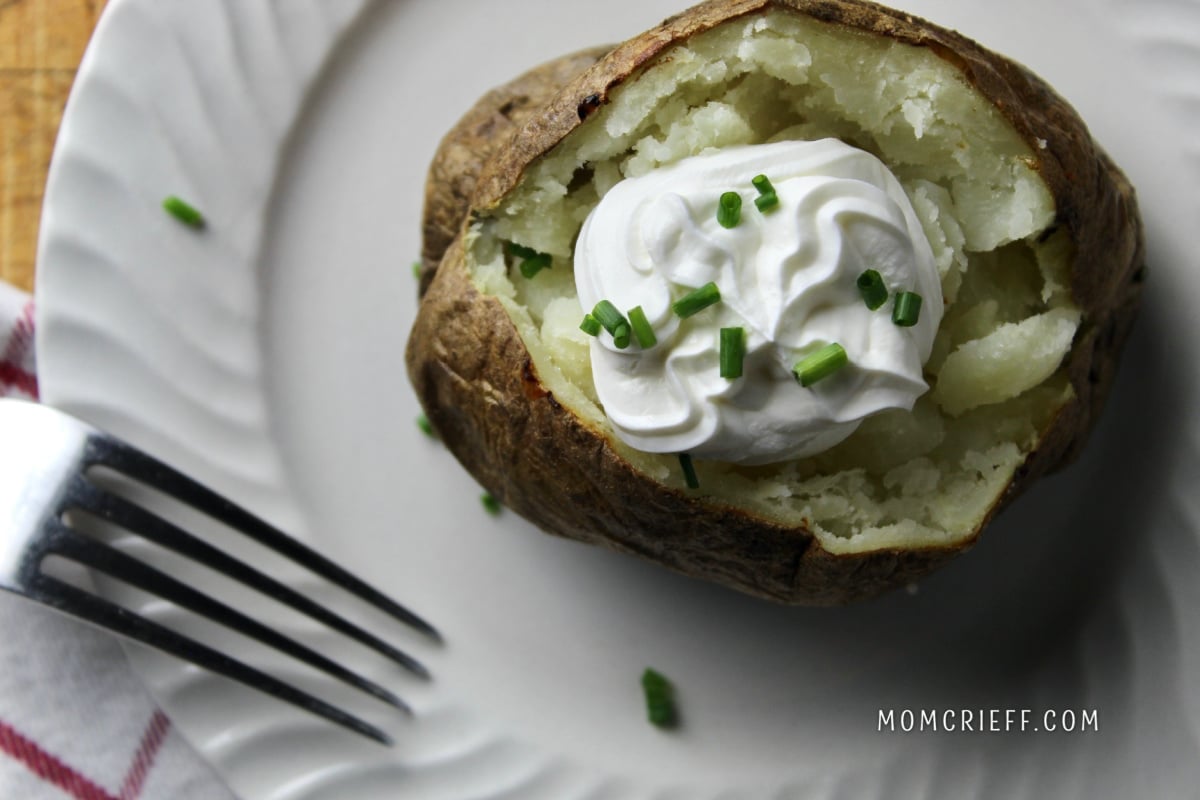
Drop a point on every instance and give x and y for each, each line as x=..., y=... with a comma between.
x=75, y=722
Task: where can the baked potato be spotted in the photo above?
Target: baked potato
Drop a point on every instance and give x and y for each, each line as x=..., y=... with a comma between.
x=1034, y=231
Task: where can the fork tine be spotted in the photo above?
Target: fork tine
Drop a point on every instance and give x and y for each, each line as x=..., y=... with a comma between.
x=92, y=498
x=65, y=542
x=115, y=619
x=137, y=465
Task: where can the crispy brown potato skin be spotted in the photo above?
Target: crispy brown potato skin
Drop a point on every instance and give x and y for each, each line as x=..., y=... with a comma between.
x=478, y=385
x=484, y=130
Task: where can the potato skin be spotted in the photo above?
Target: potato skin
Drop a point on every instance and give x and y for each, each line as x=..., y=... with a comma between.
x=484, y=130
x=477, y=382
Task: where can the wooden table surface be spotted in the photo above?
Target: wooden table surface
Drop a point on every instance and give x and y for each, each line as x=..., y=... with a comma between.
x=41, y=42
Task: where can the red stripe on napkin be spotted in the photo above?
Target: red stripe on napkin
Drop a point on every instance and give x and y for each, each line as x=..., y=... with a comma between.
x=49, y=767
x=152, y=740
x=54, y=770
x=12, y=377
x=13, y=372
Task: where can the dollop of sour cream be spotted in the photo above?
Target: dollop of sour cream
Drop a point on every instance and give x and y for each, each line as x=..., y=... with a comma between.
x=787, y=276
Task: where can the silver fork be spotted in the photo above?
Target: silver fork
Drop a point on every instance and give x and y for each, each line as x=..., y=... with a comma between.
x=44, y=474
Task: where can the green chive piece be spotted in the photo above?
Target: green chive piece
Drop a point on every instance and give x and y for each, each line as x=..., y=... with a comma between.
x=608, y=316
x=424, y=424
x=870, y=286
x=696, y=300
x=622, y=335
x=641, y=328
x=532, y=261
x=767, y=198
x=590, y=325
x=765, y=202
x=733, y=352
x=689, y=471
x=729, y=210
x=614, y=322
x=416, y=269
x=763, y=184
x=490, y=504
x=183, y=212
x=821, y=364
x=660, y=699
x=521, y=251
x=535, y=264
x=907, y=310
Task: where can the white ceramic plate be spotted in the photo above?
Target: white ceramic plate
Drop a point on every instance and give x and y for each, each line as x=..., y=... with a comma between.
x=265, y=356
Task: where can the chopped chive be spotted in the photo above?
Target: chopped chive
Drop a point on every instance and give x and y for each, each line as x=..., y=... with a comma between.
x=733, y=352
x=907, y=310
x=590, y=325
x=729, y=209
x=532, y=261
x=521, y=251
x=660, y=699
x=870, y=286
x=490, y=504
x=621, y=336
x=689, y=471
x=613, y=322
x=424, y=424
x=696, y=300
x=608, y=316
x=765, y=202
x=183, y=212
x=821, y=364
x=763, y=184
x=641, y=328
x=534, y=264
x=416, y=269
x=767, y=198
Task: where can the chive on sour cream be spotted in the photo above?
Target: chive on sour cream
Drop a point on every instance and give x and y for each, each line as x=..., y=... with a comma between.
x=787, y=275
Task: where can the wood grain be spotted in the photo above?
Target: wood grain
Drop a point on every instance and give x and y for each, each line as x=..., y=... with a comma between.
x=41, y=43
